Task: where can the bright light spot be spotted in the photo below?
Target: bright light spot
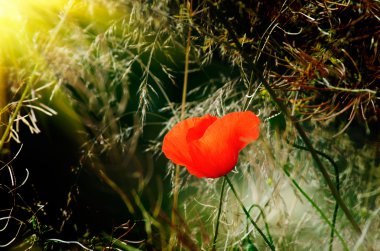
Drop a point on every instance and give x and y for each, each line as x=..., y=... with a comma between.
x=20, y=20
x=9, y=10
x=48, y=21
x=10, y=16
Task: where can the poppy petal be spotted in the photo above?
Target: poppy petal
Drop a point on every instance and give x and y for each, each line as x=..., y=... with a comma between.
x=241, y=128
x=211, y=161
x=216, y=152
x=200, y=127
x=175, y=144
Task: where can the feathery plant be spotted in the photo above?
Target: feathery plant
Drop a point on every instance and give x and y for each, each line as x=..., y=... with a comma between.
x=90, y=67
x=308, y=69
x=250, y=36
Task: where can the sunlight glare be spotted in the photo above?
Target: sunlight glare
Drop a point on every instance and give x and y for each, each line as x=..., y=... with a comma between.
x=20, y=20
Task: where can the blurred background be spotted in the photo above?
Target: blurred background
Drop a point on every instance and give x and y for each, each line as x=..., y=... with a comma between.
x=88, y=89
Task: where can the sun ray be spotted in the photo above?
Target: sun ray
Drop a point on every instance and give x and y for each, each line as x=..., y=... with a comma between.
x=31, y=33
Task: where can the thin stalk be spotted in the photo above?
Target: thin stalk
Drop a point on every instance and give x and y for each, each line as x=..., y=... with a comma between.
x=186, y=74
x=335, y=214
x=218, y=216
x=252, y=67
x=183, y=107
x=337, y=182
x=3, y=97
x=267, y=241
x=315, y=156
x=117, y=189
x=264, y=219
x=175, y=196
x=116, y=244
x=321, y=213
x=17, y=109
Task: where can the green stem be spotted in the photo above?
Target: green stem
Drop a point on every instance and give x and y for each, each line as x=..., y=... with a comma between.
x=323, y=216
x=315, y=156
x=337, y=182
x=183, y=109
x=264, y=218
x=17, y=109
x=252, y=67
x=268, y=242
x=335, y=214
x=219, y=212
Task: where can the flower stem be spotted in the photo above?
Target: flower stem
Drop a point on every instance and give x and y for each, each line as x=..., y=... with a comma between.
x=252, y=67
x=219, y=212
x=337, y=182
x=183, y=106
x=320, y=211
x=268, y=242
x=264, y=219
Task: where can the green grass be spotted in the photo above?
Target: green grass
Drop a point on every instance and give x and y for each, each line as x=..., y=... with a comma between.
x=115, y=77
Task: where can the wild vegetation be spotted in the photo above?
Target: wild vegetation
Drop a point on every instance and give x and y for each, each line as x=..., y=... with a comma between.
x=88, y=89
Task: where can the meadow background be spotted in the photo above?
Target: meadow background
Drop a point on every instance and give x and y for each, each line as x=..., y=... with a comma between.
x=88, y=89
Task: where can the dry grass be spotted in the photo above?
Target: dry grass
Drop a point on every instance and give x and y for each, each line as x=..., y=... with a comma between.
x=116, y=70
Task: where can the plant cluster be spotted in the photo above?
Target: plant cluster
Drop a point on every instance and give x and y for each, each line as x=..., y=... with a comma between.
x=117, y=76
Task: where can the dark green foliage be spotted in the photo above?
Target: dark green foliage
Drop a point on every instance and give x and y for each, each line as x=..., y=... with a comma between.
x=323, y=56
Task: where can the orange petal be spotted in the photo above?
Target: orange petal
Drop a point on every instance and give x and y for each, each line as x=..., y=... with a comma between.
x=242, y=128
x=216, y=152
x=175, y=144
x=212, y=161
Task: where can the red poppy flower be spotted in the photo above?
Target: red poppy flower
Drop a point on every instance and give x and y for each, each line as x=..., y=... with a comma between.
x=209, y=146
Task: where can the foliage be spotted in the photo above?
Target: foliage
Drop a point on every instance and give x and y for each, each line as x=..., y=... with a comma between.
x=101, y=82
